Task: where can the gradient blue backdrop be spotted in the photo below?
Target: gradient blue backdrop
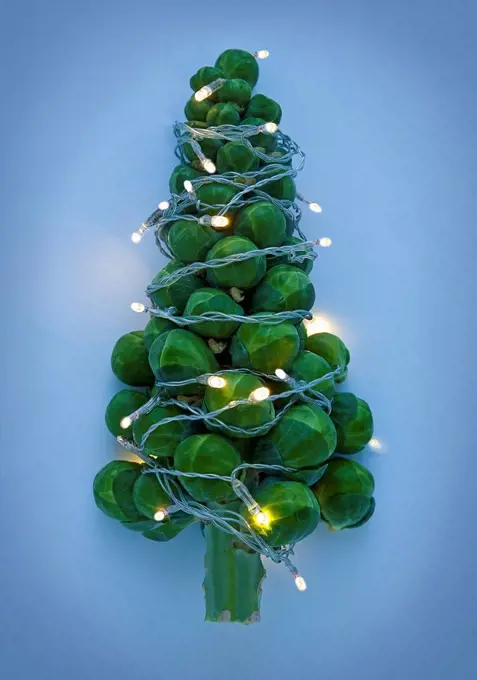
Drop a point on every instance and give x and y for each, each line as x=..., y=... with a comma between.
x=382, y=96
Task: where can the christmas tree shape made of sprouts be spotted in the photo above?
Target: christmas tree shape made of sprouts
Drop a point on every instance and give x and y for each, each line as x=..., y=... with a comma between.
x=235, y=413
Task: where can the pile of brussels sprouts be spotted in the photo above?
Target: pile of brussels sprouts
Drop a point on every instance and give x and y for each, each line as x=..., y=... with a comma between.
x=327, y=484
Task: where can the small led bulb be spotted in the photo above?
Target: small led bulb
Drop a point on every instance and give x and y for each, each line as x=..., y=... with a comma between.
x=300, y=582
x=280, y=373
x=160, y=515
x=318, y=324
x=216, y=381
x=219, y=221
x=261, y=54
x=375, y=444
x=136, y=237
x=188, y=186
x=325, y=242
x=262, y=519
x=260, y=394
x=208, y=166
x=163, y=205
x=314, y=207
x=270, y=127
x=203, y=93
x=126, y=422
x=138, y=307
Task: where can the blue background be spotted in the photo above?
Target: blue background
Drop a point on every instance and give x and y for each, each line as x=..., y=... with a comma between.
x=382, y=98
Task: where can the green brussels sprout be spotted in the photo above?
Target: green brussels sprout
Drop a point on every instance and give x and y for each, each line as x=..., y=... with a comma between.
x=290, y=227
x=223, y=114
x=238, y=386
x=302, y=335
x=166, y=530
x=284, y=288
x=195, y=110
x=306, y=265
x=235, y=90
x=163, y=440
x=205, y=76
x=236, y=157
x=263, y=139
x=245, y=274
x=303, y=439
x=283, y=188
x=181, y=355
x=263, y=223
x=345, y=494
x=154, y=327
x=177, y=294
x=331, y=348
x=264, y=347
x=291, y=509
x=212, y=300
x=216, y=195
x=353, y=421
x=121, y=405
x=129, y=360
x=264, y=107
x=210, y=148
x=238, y=64
x=179, y=175
x=190, y=241
x=149, y=498
x=308, y=366
x=276, y=157
x=207, y=454
x=113, y=489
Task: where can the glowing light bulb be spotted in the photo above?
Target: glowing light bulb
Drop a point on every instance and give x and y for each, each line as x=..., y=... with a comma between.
x=280, y=373
x=314, y=207
x=160, y=515
x=261, y=54
x=188, y=186
x=260, y=394
x=270, y=127
x=216, y=381
x=318, y=324
x=126, y=422
x=203, y=93
x=262, y=519
x=300, y=582
x=163, y=205
x=138, y=307
x=208, y=166
x=325, y=242
x=136, y=237
x=219, y=221
x=375, y=444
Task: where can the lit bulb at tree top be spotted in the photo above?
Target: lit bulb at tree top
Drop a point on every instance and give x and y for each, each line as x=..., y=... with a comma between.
x=318, y=324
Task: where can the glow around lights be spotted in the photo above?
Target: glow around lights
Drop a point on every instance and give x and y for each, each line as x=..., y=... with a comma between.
x=203, y=93
x=318, y=324
x=208, y=166
x=216, y=381
x=300, y=582
x=163, y=205
x=126, y=422
x=376, y=445
x=280, y=373
x=261, y=54
x=270, y=127
x=136, y=237
x=138, y=307
x=188, y=186
x=314, y=207
x=262, y=519
x=260, y=394
x=219, y=221
x=325, y=242
x=160, y=515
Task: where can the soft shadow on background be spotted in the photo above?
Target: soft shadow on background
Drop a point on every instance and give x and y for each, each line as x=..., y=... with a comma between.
x=382, y=98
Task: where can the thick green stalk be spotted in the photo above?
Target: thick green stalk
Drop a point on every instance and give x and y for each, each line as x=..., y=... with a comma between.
x=233, y=579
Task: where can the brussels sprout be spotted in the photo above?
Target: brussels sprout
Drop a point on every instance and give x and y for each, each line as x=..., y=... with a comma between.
x=216, y=195
x=113, y=490
x=284, y=288
x=207, y=454
x=245, y=274
x=263, y=139
x=238, y=64
x=263, y=223
x=283, y=188
x=345, y=494
x=303, y=439
x=129, y=360
x=195, y=110
x=205, y=76
x=163, y=440
x=210, y=148
x=235, y=90
x=265, y=347
x=149, y=497
x=331, y=348
x=353, y=421
x=291, y=508
x=179, y=175
x=212, y=300
x=181, y=355
x=223, y=114
x=238, y=386
x=276, y=159
x=264, y=107
x=121, y=405
x=154, y=327
x=190, y=241
x=177, y=294
x=166, y=530
x=236, y=157
x=308, y=366
x=306, y=265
